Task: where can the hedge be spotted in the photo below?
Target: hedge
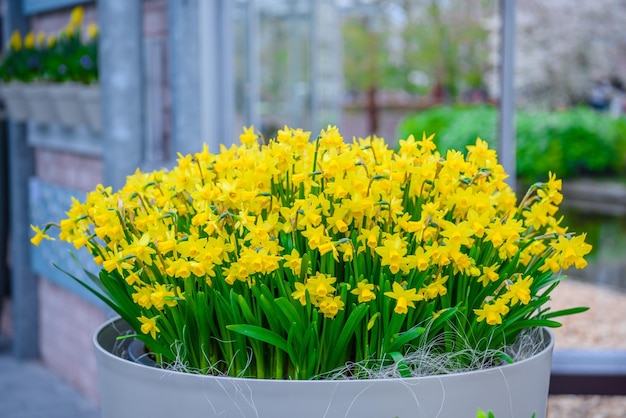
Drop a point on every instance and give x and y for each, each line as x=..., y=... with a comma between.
x=572, y=143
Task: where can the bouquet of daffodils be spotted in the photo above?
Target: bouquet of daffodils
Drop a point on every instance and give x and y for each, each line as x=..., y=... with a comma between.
x=301, y=259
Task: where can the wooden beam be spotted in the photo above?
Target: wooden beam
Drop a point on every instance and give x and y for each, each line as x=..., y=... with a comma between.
x=588, y=372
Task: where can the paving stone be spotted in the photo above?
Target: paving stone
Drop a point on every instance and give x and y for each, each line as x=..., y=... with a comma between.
x=29, y=390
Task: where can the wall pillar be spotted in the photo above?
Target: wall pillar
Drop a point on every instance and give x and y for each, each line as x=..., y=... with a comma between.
x=121, y=87
x=201, y=74
x=506, y=127
x=23, y=280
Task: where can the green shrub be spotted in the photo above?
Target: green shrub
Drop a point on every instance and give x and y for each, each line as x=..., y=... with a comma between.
x=572, y=143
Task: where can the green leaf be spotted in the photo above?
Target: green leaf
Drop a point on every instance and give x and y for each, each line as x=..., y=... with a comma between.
x=245, y=310
x=261, y=334
x=304, y=266
x=355, y=318
x=530, y=323
x=290, y=312
x=440, y=321
x=94, y=278
x=564, y=312
x=405, y=338
x=100, y=295
x=403, y=369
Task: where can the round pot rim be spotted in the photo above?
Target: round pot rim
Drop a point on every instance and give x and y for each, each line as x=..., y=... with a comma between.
x=546, y=351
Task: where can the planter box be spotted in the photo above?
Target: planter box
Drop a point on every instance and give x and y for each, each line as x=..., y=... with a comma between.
x=40, y=106
x=89, y=98
x=129, y=389
x=13, y=95
x=64, y=98
x=67, y=104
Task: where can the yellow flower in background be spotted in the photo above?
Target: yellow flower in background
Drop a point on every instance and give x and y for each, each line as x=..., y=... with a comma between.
x=76, y=17
x=16, y=41
x=92, y=30
x=51, y=41
x=29, y=40
x=41, y=38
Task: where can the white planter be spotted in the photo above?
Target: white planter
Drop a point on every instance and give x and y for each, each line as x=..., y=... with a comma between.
x=13, y=94
x=89, y=97
x=40, y=106
x=129, y=389
x=64, y=97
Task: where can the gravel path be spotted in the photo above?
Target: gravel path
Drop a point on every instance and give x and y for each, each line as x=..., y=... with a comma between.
x=602, y=327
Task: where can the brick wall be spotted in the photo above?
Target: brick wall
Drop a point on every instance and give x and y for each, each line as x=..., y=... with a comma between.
x=78, y=172
x=53, y=22
x=66, y=325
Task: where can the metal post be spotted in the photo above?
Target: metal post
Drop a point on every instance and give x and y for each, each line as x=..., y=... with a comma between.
x=23, y=281
x=121, y=86
x=507, y=91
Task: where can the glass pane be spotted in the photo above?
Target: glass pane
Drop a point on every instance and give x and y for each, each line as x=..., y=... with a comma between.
x=281, y=64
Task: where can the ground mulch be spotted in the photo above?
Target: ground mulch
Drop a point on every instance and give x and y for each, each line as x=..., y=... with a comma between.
x=602, y=327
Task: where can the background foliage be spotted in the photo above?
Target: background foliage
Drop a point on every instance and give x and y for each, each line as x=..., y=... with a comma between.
x=572, y=143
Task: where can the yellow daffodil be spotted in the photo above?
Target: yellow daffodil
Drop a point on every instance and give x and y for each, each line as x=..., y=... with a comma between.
x=519, y=291
x=149, y=326
x=364, y=291
x=492, y=312
x=39, y=236
x=248, y=136
x=299, y=236
x=404, y=298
